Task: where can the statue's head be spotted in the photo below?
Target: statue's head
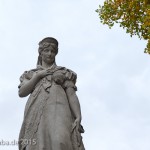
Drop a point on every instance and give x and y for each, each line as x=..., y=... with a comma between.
x=48, y=49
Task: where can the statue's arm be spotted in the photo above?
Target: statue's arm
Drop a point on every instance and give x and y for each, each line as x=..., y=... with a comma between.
x=74, y=103
x=28, y=85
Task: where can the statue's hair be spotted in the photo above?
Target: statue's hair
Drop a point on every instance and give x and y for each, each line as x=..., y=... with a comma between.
x=49, y=40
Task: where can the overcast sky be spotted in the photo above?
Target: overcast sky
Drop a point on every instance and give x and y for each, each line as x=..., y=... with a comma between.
x=113, y=72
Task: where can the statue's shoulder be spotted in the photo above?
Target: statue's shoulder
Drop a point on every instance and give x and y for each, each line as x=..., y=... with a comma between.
x=69, y=74
x=28, y=74
x=70, y=78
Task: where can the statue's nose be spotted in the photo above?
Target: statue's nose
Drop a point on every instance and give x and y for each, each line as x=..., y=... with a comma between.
x=49, y=53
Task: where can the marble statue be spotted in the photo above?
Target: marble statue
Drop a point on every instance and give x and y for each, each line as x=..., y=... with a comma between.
x=52, y=117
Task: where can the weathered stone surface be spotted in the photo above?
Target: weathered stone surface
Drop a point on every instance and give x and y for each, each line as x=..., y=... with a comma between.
x=52, y=114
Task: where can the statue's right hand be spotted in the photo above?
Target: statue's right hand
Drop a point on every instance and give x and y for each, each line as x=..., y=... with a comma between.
x=42, y=73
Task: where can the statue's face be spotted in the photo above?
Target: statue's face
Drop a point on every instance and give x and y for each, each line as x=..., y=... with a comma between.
x=48, y=55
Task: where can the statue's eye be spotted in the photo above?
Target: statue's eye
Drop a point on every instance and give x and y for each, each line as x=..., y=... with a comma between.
x=46, y=50
x=53, y=51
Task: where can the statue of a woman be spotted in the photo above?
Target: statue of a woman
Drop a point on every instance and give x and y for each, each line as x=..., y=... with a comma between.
x=52, y=114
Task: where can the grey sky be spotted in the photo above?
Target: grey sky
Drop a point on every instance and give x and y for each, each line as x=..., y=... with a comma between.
x=113, y=72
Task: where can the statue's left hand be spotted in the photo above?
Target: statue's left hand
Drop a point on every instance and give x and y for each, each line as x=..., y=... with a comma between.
x=77, y=124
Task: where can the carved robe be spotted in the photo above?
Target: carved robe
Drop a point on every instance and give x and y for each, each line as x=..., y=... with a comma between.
x=48, y=120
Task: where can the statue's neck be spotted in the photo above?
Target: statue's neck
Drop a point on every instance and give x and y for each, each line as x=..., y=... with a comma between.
x=46, y=66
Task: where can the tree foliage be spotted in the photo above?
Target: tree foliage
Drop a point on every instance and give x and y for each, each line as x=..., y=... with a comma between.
x=132, y=15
